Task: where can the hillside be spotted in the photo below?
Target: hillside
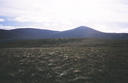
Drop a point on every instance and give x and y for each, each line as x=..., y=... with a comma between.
x=79, y=32
x=25, y=34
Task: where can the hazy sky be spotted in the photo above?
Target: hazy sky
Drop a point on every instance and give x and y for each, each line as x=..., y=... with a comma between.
x=103, y=15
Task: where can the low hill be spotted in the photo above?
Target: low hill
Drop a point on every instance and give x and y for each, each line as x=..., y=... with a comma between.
x=79, y=32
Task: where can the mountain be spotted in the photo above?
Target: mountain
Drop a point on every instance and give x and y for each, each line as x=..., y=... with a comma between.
x=26, y=33
x=79, y=32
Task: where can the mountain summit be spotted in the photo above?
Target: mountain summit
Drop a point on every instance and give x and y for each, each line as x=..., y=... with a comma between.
x=83, y=28
x=79, y=32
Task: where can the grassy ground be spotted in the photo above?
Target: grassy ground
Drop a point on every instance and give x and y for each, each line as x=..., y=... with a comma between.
x=64, y=61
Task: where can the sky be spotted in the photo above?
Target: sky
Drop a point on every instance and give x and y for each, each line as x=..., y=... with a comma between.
x=102, y=15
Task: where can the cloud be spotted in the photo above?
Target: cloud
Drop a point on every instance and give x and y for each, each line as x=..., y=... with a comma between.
x=103, y=15
x=7, y=27
x=2, y=20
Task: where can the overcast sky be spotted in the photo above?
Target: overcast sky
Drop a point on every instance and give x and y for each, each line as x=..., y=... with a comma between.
x=103, y=15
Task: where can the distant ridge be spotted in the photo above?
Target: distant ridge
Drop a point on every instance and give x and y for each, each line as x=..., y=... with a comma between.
x=79, y=32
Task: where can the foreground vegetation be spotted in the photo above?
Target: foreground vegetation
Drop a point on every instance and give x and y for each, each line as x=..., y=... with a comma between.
x=64, y=61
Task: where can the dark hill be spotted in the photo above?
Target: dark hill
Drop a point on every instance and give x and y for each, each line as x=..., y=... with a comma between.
x=80, y=32
x=26, y=33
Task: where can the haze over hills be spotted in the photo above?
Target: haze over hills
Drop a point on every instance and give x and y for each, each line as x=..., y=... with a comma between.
x=79, y=32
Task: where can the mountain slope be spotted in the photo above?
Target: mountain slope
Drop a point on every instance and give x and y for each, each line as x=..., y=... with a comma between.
x=26, y=33
x=80, y=32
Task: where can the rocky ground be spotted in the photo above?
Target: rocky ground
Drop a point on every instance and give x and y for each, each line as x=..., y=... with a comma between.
x=52, y=65
x=65, y=64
